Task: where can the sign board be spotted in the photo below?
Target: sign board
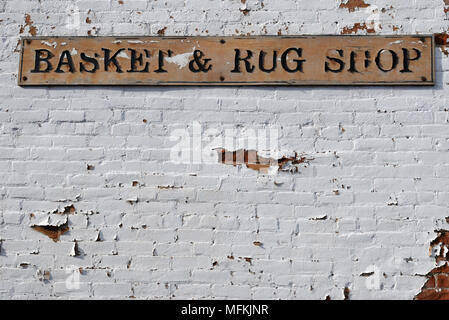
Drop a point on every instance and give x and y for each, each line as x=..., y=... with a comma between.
x=264, y=60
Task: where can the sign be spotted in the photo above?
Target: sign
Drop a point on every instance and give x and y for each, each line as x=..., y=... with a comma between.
x=265, y=60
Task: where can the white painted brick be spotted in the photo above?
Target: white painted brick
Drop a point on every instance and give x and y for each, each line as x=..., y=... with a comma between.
x=373, y=193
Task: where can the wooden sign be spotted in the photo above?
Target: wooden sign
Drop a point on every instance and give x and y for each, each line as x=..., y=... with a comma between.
x=302, y=60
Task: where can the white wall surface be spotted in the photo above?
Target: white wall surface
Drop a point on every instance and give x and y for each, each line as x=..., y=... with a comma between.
x=359, y=215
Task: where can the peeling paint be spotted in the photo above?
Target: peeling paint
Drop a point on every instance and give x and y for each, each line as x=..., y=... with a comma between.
x=437, y=284
x=254, y=161
x=53, y=232
x=357, y=27
x=442, y=40
x=53, y=44
x=319, y=218
x=53, y=224
x=161, y=32
x=43, y=275
x=70, y=209
x=75, y=252
x=346, y=293
x=124, y=55
x=351, y=5
x=28, y=23
x=245, y=11
x=169, y=187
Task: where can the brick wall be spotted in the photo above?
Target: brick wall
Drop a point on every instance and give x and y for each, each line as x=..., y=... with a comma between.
x=94, y=205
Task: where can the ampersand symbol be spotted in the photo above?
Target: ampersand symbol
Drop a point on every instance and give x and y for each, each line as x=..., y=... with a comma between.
x=197, y=65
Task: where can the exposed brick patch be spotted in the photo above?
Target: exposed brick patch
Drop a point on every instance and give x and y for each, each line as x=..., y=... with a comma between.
x=252, y=160
x=351, y=5
x=437, y=284
x=53, y=232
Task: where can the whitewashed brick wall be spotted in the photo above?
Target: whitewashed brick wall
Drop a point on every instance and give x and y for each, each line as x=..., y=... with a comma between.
x=361, y=215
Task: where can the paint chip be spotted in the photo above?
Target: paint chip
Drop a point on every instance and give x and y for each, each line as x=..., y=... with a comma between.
x=437, y=284
x=53, y=232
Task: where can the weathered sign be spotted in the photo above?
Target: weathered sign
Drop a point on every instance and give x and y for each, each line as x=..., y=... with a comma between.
x=295, y=60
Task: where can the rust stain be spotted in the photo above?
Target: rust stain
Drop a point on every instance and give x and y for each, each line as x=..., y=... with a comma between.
x=88, y=20
x=351, y=5
x=52, y=232
x=437, y=284
x=254, y=161
x=357, y=27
